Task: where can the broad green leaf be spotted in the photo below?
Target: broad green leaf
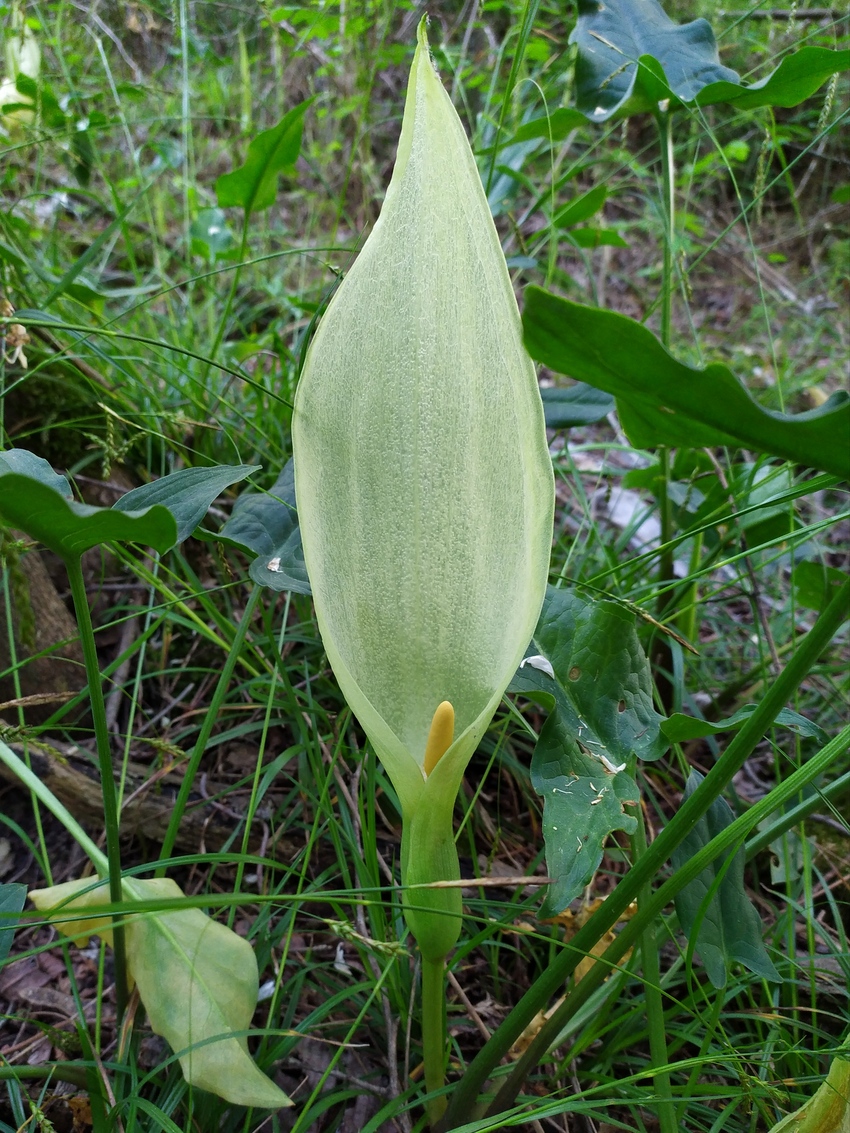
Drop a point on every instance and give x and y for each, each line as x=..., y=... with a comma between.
x=26, y=463
x=69, y=528
x=815, y=584
x=680, y=728
x=197, y=979
x=210, y=234
x=423, y=479
x=555, y=126
x=631, y=56
x=187, y=494
x=765, y=487
x=663, y=401
x=600, y=697
x=718, y=917
x=12, y=899
x=266, y=526
x=796, y=78
x=581, y=208
x=577, y=405
x=253, y=186
x=597, y=238
x=829, y=1110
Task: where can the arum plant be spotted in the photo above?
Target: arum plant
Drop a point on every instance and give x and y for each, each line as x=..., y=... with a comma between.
x=425, y=495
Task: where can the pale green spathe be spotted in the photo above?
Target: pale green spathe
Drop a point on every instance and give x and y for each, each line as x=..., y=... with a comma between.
x=423, y=481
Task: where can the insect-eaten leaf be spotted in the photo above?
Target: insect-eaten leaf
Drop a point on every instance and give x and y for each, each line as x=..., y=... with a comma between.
x=266, y=525
x=631, y=56
x=716, y=915
x=197, y=979
x=69, y=528
x=188, y=494
x=664, y=402
x=601, y=715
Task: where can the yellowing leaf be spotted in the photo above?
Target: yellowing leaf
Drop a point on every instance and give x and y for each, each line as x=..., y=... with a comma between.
x=423, y=480
x=197, y=979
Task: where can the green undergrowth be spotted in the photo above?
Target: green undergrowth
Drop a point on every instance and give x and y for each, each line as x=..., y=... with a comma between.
x=167, y=331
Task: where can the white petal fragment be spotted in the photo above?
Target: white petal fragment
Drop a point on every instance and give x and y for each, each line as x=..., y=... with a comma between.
x=538, y=661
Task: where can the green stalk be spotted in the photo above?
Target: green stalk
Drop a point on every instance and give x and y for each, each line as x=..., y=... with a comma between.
x=434, y=1034
x=652, y=990
x=797, y=814
x=731, y=837
x=72, y=1073
x=107, y=776
x=210, y=720
x=661, y=653
x=668, y=189
x=464, y=1098
x=717, y=1004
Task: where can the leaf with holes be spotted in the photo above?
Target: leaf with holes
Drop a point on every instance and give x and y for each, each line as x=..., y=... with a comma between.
x=586, y=664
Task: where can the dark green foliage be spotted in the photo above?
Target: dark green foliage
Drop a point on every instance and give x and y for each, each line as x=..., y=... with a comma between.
x=187, y=494
x=266, y=526
x=631, y=56
x=663, y=401
x=601, y=717
x=714, y=910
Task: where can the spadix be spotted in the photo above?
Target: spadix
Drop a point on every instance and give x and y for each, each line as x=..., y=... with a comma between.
x=424, y=484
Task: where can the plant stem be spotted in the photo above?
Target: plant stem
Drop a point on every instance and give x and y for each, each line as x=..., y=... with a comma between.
x=652, y=991
x=731, y=837
x=210, y=720
x=668, y=190
x=661, y=654
x=107, y=776
x=550, y=984
x=434, y=1033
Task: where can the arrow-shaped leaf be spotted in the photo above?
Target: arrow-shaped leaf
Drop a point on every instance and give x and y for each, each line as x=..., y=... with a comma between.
x=663, y=401
x=26, y=463
x=631, y=56
x=253, y=186
x=266, y=525
x=69, y=528
x=680, y=728
x=724, y=919
x=187, y=494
